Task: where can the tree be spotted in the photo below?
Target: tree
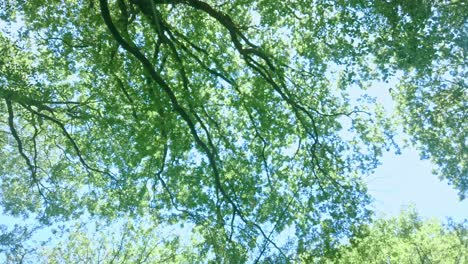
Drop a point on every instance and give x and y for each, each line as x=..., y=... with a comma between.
x=406, y=239
x=232, y=116
x=13, y=248
x=432, y=96
x=125, y=241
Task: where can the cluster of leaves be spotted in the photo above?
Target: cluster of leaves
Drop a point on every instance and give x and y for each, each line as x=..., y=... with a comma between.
x=433, y=94
x=406, y=239
x=227, y=115
x=125, y=240
x=13, y=243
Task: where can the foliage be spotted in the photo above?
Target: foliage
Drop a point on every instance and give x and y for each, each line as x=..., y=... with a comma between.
x=13, y=244
x=94, y=241
x=402, y=239
x=234, y=117
x=433, y=94
x=123, y=242
x=406, y=239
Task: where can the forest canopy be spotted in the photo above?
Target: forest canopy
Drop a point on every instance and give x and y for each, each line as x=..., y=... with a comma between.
x=405, y=239
x=235, y=117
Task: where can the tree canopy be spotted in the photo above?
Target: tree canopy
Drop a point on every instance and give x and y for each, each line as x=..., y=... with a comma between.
x=234, y=116
x=406, y=239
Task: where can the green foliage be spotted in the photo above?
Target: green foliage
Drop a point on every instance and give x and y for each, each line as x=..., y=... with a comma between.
x=13, y=248
x=402, y=239
x=434, y=114
x=406, y=239
x=432, y=97
x=125, y=241
x=229, y=116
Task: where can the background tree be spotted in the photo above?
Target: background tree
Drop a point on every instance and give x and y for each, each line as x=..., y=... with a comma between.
x=233, y=116
x=124, y=241
x=14, y=247
x=406, y=239
x=403, y=239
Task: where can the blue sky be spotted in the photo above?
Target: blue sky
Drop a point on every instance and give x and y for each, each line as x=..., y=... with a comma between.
x=404, y=180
